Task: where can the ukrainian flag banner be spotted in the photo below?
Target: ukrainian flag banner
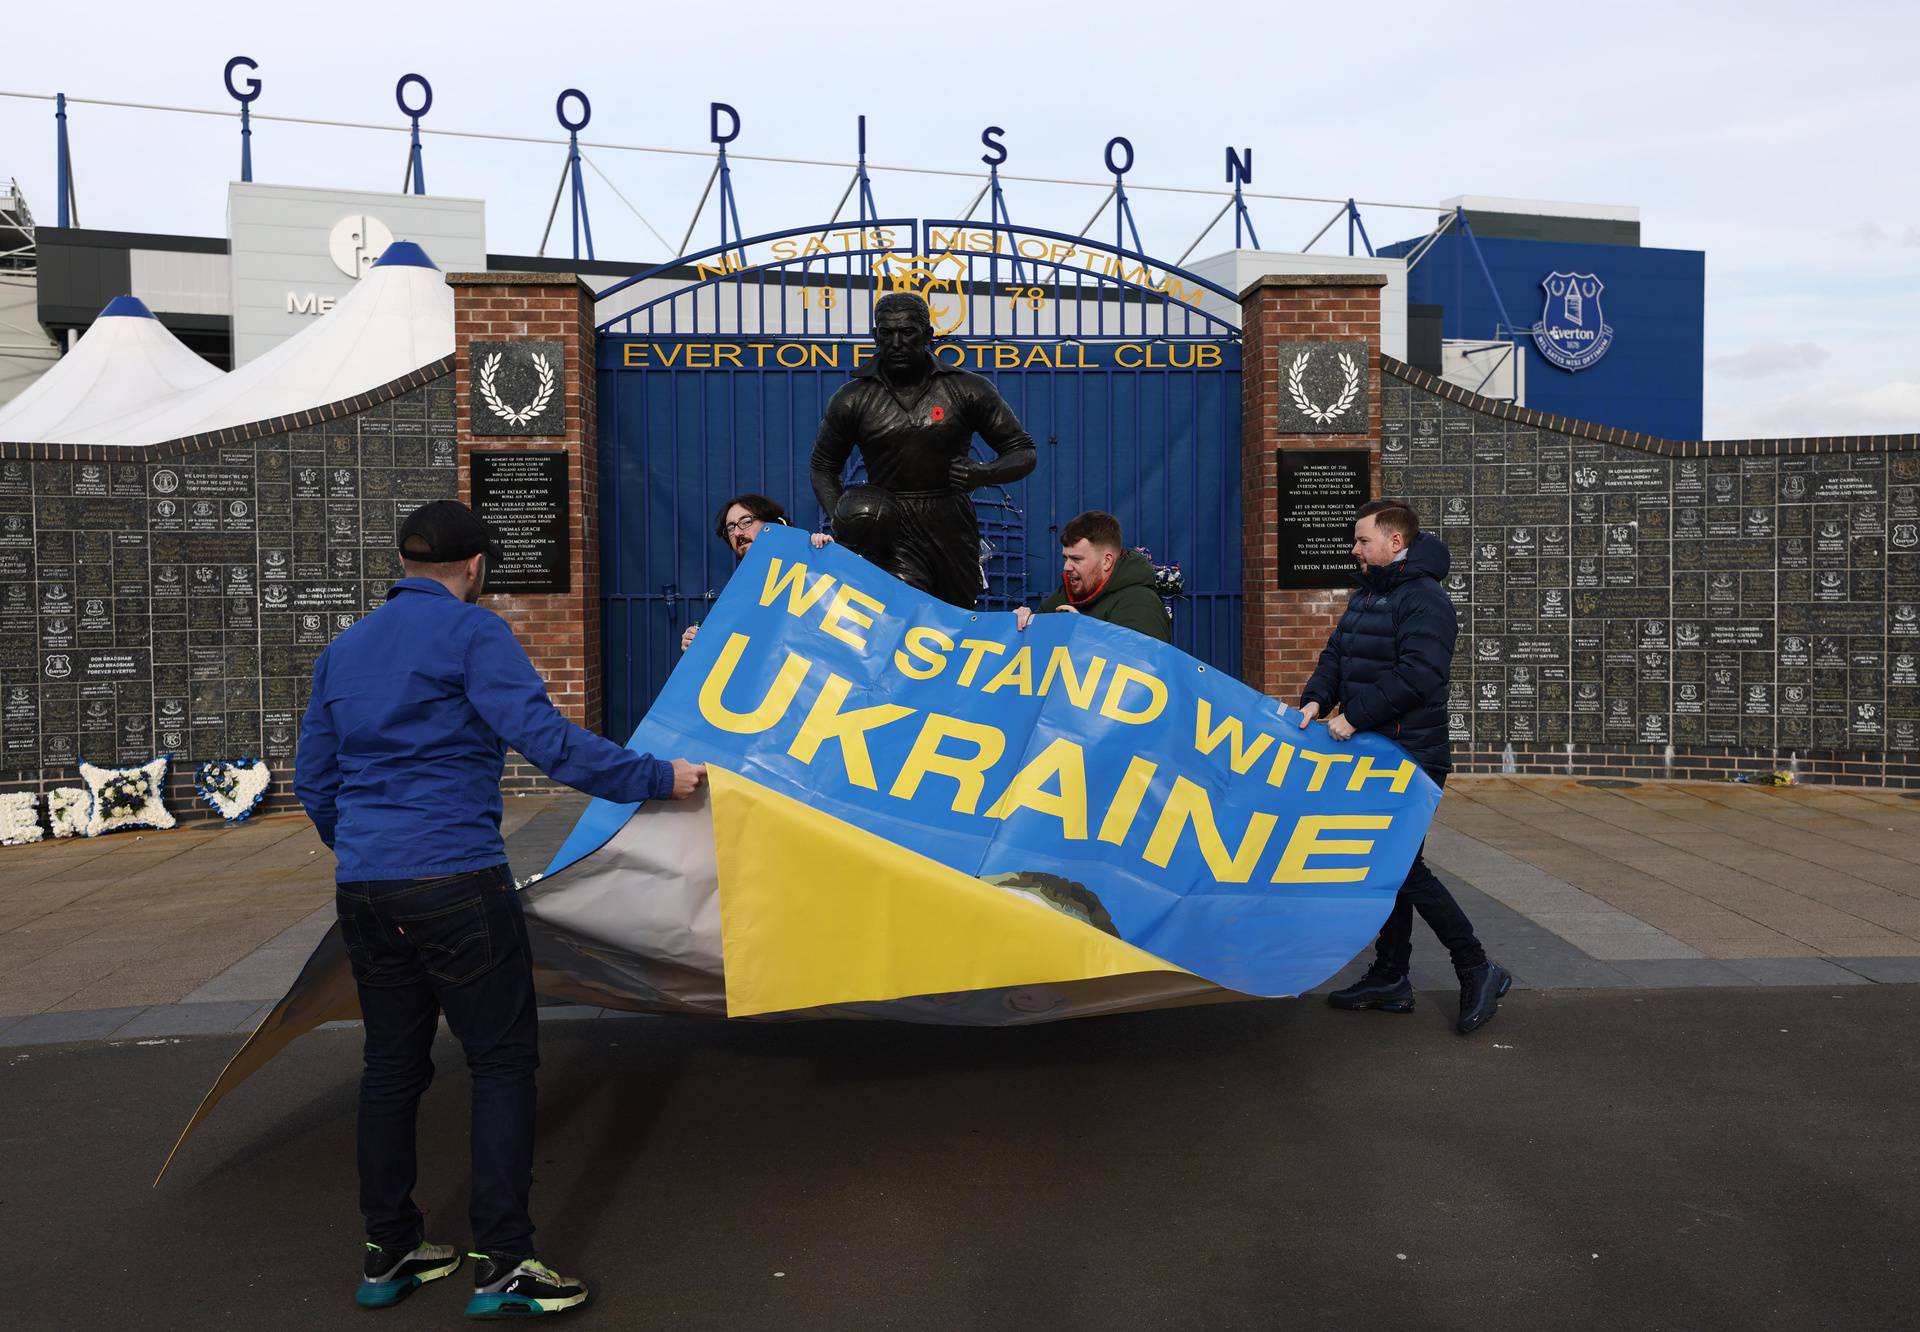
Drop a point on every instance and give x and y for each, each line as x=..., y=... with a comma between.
x=922, y=814
x=911, y=799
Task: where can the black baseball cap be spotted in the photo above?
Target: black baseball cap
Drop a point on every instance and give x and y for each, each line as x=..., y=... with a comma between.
x=444, y=531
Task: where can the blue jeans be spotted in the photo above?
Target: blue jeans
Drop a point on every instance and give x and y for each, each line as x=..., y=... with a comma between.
x=421, y=947
x=1424, y=892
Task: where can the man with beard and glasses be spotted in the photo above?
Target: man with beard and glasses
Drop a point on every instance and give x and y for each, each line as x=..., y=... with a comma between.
x=737, y=524
x=399, y=766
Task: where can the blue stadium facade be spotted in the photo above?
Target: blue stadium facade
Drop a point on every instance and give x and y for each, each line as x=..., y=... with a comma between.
x=1651, y=304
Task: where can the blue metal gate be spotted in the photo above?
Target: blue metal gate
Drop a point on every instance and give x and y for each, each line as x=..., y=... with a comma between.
x=1125, y=372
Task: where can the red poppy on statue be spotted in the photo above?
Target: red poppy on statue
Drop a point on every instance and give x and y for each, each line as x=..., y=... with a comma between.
x=937, y=413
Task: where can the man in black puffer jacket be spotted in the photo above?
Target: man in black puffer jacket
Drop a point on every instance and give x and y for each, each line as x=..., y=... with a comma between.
x=1385, y=669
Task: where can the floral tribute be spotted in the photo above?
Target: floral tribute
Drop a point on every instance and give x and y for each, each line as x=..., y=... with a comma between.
x=19, y=819
x=68, y=808
x=127, y=797
x=233, y=788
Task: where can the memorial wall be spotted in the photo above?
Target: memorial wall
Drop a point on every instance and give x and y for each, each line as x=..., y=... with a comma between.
x=1627, y=605
x=1667, y=607
x=173, y=599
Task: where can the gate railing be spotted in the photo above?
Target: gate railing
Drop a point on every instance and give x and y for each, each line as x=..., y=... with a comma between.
x=982, y=280
x=1149, y=431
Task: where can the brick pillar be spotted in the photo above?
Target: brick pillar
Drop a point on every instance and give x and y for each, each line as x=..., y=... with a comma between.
x=561, y=631
x=1282, y=631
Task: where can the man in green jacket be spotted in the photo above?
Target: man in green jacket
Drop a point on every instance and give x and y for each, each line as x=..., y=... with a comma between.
x=1101, y=578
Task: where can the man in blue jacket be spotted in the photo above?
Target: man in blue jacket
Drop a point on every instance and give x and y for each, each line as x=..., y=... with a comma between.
x=399, y=766
x=1385, y=669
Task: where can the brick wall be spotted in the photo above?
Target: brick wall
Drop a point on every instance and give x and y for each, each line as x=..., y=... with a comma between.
x=1282, y=631
x=561, y=631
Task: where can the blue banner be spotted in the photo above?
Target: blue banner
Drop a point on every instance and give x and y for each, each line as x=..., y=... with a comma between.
x=1167, y=803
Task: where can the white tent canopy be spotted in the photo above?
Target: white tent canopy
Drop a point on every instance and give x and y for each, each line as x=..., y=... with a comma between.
x=127, y=362
x=398, y=318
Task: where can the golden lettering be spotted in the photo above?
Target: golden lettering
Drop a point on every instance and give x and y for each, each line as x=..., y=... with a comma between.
x=1187, y=804
x=1207, y=738
x=1064, y=762
x=1126, y=800
x=1397, y=778
x=1307, y=842
x=841, y=609
x=968, y=774
x=1113, y=705
x=927, y=663
x=1016, y=674
x=800, y=596
x=1080, y=693
x=826, y=721
x=771, y=709
x=1281, y=759
x=975, y=649
x=1322, y=762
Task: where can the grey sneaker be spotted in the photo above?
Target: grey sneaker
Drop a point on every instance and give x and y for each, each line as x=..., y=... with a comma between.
x=388, y=1277
x=520, y=1287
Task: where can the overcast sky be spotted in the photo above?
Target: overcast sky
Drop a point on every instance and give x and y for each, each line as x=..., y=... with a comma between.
x=1777, y=138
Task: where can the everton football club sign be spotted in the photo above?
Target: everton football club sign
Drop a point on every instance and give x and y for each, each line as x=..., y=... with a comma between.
x=1572, y=332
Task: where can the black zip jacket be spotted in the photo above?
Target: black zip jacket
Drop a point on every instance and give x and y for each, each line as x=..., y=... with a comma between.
x=1388, y=660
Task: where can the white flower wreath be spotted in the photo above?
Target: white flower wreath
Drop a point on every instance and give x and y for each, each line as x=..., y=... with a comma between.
x=127, y=797
x=233, y=788
x=68, y=808
x=19, y=819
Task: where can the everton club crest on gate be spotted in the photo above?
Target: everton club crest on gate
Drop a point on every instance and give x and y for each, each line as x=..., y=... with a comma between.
x=1572, y=332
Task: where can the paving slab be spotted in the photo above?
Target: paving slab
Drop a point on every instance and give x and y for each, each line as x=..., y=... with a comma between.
x=1796, y=971
x=61, y=1028
x=188, y=1020
x=1887, y=970
x=266, y=972
x=1673, y=973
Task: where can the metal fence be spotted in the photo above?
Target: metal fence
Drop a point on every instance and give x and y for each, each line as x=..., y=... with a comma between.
x=1119, y=367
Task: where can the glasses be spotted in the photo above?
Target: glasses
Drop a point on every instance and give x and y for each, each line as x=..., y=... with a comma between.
x=739, y=525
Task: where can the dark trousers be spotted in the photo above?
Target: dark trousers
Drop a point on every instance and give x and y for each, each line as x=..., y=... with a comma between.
x=1423, y=892
x=937, y=548
x=421, y=947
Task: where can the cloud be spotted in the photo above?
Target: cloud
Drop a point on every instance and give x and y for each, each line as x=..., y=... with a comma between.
x=1872, y=236
x=1769, y=358
x=1826, y=409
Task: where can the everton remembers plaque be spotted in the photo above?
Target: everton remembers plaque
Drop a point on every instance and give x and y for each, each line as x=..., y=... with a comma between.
x=1319, y=491
x=523, y=495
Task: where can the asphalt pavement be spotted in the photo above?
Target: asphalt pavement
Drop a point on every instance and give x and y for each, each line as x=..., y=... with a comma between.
x=1621, y=1158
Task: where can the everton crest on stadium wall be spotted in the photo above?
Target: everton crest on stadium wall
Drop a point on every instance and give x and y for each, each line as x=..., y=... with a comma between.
x=1573, y=332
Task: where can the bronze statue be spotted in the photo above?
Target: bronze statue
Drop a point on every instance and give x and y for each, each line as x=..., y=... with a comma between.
x=913, y=418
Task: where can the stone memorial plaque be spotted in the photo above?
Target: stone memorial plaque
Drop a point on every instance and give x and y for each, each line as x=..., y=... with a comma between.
x=523, y=496
x=1322, y=388
x=1320, y=489
x=519, y=388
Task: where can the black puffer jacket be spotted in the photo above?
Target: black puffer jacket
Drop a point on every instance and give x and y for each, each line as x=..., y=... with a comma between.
x=1388, y=659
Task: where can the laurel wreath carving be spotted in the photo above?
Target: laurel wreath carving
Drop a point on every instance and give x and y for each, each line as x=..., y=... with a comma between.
x=1349, y=388
x=491, y=365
